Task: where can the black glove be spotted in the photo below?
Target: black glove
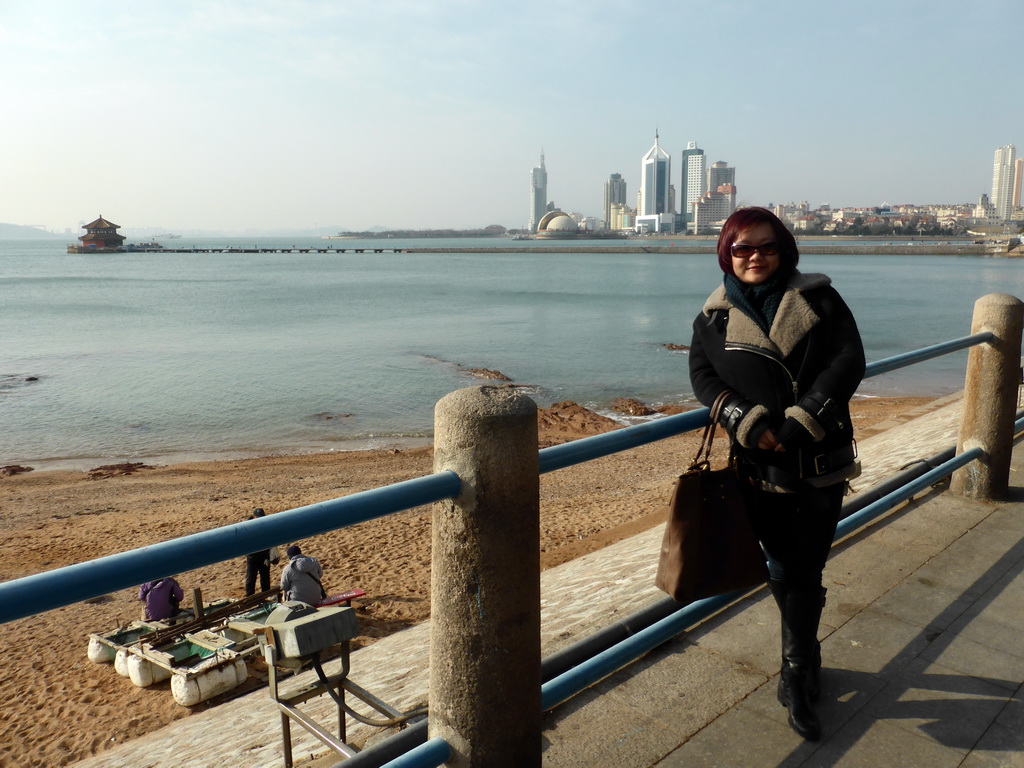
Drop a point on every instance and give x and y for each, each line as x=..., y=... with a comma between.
x=755, y=432
x=793, y=435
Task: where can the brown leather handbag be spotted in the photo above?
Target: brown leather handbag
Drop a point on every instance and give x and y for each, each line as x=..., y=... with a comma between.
x=709, y=547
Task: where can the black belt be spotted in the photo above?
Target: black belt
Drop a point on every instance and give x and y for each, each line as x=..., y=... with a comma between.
x=811, y=466
x=824, y=463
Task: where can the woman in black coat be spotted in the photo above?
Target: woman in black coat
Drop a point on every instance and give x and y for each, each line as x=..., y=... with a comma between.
x=786, y=347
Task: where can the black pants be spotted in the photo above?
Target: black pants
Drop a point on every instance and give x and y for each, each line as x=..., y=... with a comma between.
x=796, y=531
x=257, y=564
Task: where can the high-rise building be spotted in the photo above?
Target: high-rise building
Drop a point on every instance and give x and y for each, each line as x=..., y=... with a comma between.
x=614, y=192
x=656, y=167
x=538, y=193
x=694, y=183
x=1003, y=169
x=720, y=173
x=718, y=202
x=654, y=210
x=1018, y=180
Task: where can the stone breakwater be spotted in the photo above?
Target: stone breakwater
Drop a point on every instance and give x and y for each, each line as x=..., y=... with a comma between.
x=919, y=249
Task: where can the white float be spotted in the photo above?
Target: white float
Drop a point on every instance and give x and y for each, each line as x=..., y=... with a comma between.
x=100, y=652
x=121, y=662
x=144, y=672
x=200, y=684
x=200, y=662
x=103, y=646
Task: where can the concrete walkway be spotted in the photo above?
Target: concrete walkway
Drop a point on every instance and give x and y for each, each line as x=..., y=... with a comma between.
x=922, y=635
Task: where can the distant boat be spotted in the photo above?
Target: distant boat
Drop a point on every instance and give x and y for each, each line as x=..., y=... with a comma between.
x=167, y=236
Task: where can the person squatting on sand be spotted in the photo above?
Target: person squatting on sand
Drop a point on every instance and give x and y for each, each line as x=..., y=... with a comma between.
x=787, y=347
x=301, y=578
x=162, y=598
x=258, y=563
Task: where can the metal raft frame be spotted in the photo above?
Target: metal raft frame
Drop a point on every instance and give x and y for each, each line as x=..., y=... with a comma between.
x=335, y=685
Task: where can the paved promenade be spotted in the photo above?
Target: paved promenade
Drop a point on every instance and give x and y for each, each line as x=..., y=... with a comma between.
x=922, y=636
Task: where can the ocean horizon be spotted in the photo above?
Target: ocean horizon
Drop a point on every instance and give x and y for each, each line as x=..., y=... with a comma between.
x=171, y=357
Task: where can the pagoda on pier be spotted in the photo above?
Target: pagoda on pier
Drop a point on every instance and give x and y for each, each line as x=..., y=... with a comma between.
x=100, y=235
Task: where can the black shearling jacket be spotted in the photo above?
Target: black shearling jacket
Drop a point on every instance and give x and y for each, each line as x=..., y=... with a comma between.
x=808, y=368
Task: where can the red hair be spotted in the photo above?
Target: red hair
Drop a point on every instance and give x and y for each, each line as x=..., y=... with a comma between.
x=744, y=218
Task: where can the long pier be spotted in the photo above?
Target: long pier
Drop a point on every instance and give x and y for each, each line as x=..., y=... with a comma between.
x=295, y=249
x=265, y=250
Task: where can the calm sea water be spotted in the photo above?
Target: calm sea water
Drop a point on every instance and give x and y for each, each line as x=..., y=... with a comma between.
x=167, y=356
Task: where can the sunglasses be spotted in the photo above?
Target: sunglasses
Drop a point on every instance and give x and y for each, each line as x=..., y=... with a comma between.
x=746, y=251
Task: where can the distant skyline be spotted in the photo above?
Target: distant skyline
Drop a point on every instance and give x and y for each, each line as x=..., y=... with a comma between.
x=233, y=116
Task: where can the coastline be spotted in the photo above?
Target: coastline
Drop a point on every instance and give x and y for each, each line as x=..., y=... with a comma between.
x=62, y=708
x=922, y=249
x=388, y=443
x=198, y=456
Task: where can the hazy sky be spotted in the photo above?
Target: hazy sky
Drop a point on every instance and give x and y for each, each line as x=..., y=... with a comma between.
x=431, y=113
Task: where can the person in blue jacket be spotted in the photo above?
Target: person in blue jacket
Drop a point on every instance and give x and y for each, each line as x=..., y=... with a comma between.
x=301, y=578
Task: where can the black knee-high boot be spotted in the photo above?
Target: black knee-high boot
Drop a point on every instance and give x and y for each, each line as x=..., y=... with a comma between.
x=799, y=687
x=814, y=687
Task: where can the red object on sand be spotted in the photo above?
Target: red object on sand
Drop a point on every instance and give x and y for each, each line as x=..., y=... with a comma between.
x=344, y=597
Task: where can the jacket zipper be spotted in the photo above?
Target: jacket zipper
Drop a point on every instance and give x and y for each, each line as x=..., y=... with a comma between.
x=793, y=385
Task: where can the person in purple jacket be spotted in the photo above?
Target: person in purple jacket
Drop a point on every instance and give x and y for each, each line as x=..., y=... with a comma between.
x=162, y=598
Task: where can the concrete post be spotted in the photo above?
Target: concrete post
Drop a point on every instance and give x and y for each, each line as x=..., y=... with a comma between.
x=990, y=398
x=485, y=581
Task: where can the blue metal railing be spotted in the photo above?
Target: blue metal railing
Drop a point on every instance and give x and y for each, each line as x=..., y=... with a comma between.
x=927, y=480
x=926, y=353
x=74, y=583
x=566, y=685
x=599, y=446
x=432, y=754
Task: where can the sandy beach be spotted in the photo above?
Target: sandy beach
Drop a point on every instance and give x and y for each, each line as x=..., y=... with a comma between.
x=59, y=707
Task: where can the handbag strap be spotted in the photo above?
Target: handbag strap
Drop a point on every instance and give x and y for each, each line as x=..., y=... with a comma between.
x=704, y=451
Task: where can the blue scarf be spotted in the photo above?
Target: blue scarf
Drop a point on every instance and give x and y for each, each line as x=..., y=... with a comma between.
x=758, y=302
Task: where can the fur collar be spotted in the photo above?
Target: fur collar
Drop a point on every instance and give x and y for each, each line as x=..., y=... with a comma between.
x=793, y=321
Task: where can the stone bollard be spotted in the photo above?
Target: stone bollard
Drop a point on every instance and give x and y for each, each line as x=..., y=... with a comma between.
x=990, y=398
x=485, y=581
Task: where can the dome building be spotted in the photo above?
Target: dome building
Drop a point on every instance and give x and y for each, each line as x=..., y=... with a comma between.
x=557, y=225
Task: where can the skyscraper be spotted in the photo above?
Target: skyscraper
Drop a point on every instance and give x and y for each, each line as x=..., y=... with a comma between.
x=1018, y=181
x=693, y=183
x=614, y=192
x=720, y=173
x=656, y=167
x=1003, y=169
x=538, y=193
x=717, y=202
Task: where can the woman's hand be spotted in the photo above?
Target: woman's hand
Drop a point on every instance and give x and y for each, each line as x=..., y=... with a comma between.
x=767, y=442
x=793, y=434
